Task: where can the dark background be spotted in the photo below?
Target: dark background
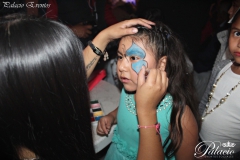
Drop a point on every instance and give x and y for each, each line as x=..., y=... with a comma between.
x=186, y=18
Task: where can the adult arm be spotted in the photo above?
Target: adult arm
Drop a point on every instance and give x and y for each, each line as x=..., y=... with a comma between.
x=148, y=94
x=104, y=37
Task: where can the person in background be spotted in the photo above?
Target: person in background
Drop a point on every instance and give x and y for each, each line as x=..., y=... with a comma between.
x=215, y=52
x=221, y=100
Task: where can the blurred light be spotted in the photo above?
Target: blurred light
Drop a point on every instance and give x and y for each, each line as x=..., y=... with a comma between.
x=130, y=1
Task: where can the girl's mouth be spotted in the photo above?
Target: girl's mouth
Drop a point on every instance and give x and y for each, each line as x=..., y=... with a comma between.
x=237, y=54
x=124, y=80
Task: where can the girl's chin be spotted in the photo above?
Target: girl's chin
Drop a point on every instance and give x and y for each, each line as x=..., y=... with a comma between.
x=130, y=89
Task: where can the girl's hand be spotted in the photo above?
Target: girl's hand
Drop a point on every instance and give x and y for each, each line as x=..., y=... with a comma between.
x=105, y=124
x=123, y=28
x=151, y=90
x=149, y=93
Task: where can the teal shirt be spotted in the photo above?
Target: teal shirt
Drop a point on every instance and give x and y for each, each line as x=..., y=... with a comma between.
x=126, y=134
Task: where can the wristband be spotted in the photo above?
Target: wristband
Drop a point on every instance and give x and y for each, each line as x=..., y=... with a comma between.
x=156, y=126
x=97, y=51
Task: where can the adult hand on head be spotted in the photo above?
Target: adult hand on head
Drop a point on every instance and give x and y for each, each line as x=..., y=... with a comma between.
x=150, y=90
x=115, y=31
x=123, y=28
x=82, y=31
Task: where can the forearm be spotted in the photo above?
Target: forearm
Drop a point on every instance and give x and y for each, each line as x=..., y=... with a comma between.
x=90, y=58
x=150, y=146
x=114, y=115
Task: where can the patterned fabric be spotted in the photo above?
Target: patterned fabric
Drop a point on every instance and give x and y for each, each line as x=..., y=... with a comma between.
x=126, y=135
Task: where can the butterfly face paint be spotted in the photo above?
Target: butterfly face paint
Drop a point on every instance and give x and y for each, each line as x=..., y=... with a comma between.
x=137, y=51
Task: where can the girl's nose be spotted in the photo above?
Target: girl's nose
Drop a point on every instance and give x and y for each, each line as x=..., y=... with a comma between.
x=238, y=45
x=124, y=64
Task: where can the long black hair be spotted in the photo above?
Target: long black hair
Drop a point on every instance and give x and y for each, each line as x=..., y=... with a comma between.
x=163, y=42
x=44, y=98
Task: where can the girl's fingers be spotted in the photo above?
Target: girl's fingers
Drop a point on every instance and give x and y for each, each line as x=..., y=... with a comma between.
x=159, y=77
x=164, y=79
x=152, y=76
x=99, y=129
x=141, y=76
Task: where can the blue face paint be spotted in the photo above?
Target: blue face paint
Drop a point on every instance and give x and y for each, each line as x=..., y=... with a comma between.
x=135, y=50
x=138, y=65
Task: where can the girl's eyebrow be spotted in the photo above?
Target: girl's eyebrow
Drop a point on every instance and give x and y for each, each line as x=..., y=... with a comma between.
x=124, y=55
x=119, y=52
x=234, y=28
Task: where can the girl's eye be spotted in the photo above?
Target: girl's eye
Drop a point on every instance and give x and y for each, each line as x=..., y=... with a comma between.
x=119, y=57
x=134, y=58
x=237, y=34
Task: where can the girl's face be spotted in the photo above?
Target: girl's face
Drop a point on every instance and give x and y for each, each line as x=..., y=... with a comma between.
x=132, y=55
x=234, y=40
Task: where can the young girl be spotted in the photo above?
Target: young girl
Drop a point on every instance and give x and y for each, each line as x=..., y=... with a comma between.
x=220, y=105
x=159, y=51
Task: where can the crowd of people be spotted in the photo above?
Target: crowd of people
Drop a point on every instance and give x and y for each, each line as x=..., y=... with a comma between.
x=169, y=108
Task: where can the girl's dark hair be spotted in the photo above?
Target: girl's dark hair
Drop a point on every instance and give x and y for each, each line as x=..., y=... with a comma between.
x=44, y=98
x=163, y=42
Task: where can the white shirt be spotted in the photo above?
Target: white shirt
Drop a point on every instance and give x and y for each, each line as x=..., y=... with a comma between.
x=224, y=123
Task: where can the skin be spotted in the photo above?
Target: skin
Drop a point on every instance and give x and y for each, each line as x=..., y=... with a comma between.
x=234, y=44
x=148, y=93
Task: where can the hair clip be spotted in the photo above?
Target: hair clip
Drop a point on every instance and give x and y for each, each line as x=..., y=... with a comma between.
x=167, y=34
